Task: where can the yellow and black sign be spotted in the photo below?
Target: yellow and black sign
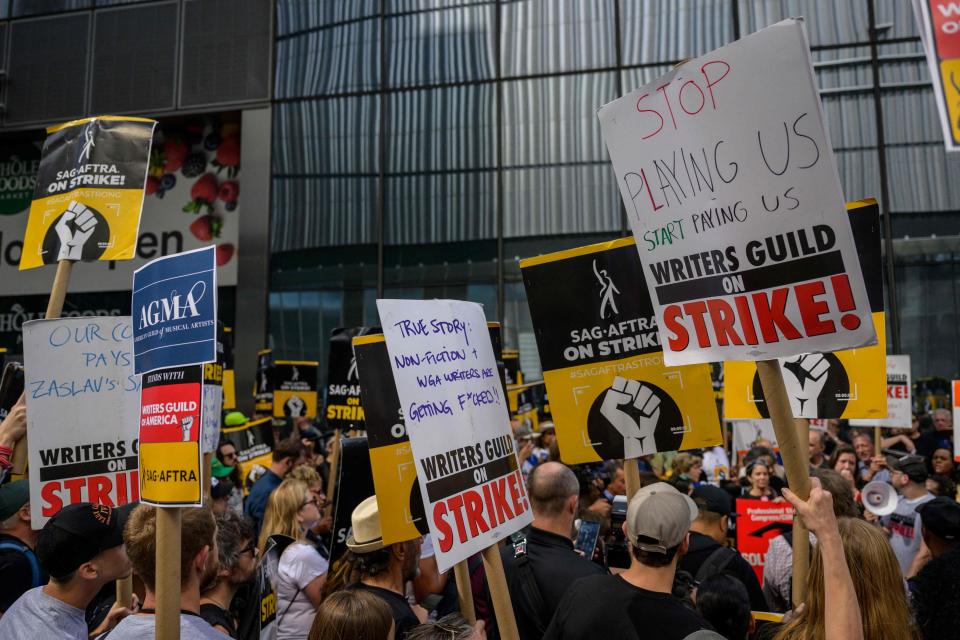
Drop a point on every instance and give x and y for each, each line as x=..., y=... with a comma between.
x=842, y=384
x=229, y=381
x=343, y=410
x=263, y=385
x=254, y=444
x=89, y=191
x=295, y=389
x=610, y=394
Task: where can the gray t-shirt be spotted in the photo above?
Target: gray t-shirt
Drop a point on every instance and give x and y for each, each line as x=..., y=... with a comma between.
x=142, y=627
x=37, y=615
x=906, y=530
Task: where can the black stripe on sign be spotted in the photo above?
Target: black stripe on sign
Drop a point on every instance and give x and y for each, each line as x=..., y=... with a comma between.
x=463, y=480
x=93, y=467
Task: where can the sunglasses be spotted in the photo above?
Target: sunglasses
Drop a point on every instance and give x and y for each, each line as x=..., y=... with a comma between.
x=230, y=456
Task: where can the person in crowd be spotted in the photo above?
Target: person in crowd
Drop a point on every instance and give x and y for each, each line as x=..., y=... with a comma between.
x=353, y=614
x=761, y=451
x=936, y=596
x=541, y=568
x=638, y=602
x=716, y=465
x=548, y=434
x=778, y=564
x=869, y=466
x=844, y=461
x=940, y=437
x=687, y=470
x=818, y=458
x=758, y=477
x=722, y=600
x=292, y=511
x=942, y=486
x=430, y=581
x=707, y=555
x=384, y=570
x=452, y=626
x=310, y=477
x=198, y=564
x=220, y=492
x=908, y=476
x=618, y=482
x=528, y=444
x=286, y=456
x=237, y=559
x=941, y=530
x=12, y=429
x=19, y=566
x=81, y=548
x=942, y=465
x=225, y=467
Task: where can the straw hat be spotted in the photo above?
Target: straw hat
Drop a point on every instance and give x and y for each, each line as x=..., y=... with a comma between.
x=366, y=536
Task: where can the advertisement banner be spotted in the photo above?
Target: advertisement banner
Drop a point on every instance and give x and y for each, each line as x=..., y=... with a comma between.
x=456, y=417
x=939, y=25
x=295, y=389
x=747, y=432
x=171, y=402
x=611, y=396
x=731, y=188
x=175, y=311
x=899, y=398
x=354, y=485
x=758, y=523
x=845, y=384
x=391, y=458
x=254, y=444
x=89, y=191
x=82, y=398
x=344, y=410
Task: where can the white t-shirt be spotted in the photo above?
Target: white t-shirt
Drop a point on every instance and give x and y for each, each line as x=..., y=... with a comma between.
x=426, y=547
x=299, y=565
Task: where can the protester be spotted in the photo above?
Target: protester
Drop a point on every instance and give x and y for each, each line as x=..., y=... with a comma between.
x=844, y=461
x=940, y=437
x=237, y=559
x=384, y=570
x=869, y=466
x=286, y=456
x=716, y=465
x=310, y=477
x=353, y=614
x=429, y=581
x=942, y=465
x=81, y=548
x=936, y=596
x=541, y=567
x=722, y=600
x=909, y=475
x=19, y=567
x=707, y=556
x=686, y=471
x=220, y=492
x=758, y=477
x=941, y=486
x=816, y=451
x=292, y=510
x=12, y=429
x=198, y=564
x=450, y=627
x=638, y=602
x=225, y=468
x=618, y=483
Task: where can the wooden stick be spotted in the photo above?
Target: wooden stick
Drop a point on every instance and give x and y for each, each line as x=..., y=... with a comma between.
x=801, y=548
x=631, y=473
x=461, y=572
x=168, y=574
x=54, y=309
x=125, y=591
x=497, y=581
x=207, y=475
x=332, y=472
x=877, y=445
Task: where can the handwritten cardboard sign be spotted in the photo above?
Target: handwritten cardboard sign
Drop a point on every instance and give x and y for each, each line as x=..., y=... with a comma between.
x=731, y=187
x=455, y=413
x=82, y=400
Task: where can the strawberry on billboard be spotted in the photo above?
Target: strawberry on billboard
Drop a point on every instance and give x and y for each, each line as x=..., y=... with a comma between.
x=192, y=200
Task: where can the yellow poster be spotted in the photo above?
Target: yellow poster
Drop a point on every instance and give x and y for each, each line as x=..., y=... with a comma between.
x=254, y=444
x=295, y=389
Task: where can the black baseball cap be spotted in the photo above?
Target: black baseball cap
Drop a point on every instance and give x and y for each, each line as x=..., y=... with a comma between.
x=914, y=467
x=77, y=533
x=941, y=517
x=715, y=499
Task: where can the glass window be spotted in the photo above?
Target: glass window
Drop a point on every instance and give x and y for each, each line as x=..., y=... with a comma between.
x=671, y=30
x=333, y=136
x=37, y=7
x=298, y=15
x=441, y=207
x=337, y=59
x=321, y=212
x=405, y=6
x=828, y=22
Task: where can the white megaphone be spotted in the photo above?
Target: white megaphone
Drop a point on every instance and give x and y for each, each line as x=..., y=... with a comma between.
x=879, y=498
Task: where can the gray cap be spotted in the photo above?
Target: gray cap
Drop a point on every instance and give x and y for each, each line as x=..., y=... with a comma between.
x=659, y=517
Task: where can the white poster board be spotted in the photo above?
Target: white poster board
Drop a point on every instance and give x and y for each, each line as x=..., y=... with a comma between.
x=899, y=397
x=82, y=413
x=746, y=432
x=455, y=412
x=731, y=187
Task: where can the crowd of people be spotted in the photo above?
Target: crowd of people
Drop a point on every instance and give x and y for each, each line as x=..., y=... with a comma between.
x=256, y=558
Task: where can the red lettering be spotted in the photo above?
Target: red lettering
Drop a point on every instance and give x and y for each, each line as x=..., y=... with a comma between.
x=455, y=504
x=646, y=184
x=121, y=482
x=515, y=482
x=500, y=501
x=653, y=111
x=746, y=319
x=98, y=490
x=703, y=98
x=666, y=98
x=491, y=514
x=722, y=317
x=473, y=505
x=771, y=315
x=51, y=498
x=811, y=309
x=712, y=83
x=444, y=532
x=680, y=339
x=696, y=310
x=75, y=486
x=135, y=486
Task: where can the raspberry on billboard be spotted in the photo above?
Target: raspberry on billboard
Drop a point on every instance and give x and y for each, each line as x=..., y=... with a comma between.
x=89, y=191
x=731, y=188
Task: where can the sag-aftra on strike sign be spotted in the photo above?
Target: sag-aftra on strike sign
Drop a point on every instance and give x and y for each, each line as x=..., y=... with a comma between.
x=730, y=184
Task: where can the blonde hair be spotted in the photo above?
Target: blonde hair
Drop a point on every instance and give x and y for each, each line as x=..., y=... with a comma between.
x=876, y=579
x=283, y=506
x=683, y=462
x=305, y=474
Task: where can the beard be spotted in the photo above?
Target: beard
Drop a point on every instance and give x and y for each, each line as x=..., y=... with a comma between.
x=210, y=570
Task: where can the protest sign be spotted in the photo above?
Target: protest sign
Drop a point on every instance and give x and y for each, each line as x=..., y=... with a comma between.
x=229, y=379
x=759, y=522
x=263, y=385
x=171, y=402
x=82, y=400
x=391, y=459
x=295, y=389
x=354, y=485
x=254, y=444
x=89, y=191
x=844, y=384
x=731, y=187
x=11, y=387
x=213, y=398
x=955, y=405
x=939, y=25
x=343, y=410
x=747, y=432
x=456, y=417
x=611, y=396
x=899, y=400
x=175, y=311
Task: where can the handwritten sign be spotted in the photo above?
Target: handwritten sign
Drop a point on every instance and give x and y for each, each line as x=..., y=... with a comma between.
x=747, y=432
x=456, y=417
x=731, y=187
x=899, y=397
x=81, y=413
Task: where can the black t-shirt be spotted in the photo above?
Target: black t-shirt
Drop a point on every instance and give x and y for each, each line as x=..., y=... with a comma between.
x=17, y=570
x=555, y=567
x=702, y=547
x=611, y=607
x=403, y=616
x=215, y=616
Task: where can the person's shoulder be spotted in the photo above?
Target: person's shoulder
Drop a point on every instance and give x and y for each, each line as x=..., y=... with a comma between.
x=197, y=627
x=704, y=634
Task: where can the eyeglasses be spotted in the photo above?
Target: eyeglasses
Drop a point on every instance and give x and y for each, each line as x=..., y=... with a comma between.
x=250, y=548
x=312, y=501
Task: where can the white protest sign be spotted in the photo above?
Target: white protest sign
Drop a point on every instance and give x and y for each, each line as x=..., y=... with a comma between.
x=456, y=416
x=747, y=432
x=82, y=413
x=731, y=187
x=899, y=400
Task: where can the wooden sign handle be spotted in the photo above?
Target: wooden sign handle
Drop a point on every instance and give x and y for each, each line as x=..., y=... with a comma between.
x=801, y=550
x=631, y=474
x=168, y=573
x=332, y=472
x=497, y=581
x=125, y=591
x=461, y=573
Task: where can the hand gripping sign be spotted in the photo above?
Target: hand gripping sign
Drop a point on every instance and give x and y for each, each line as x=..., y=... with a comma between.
x=456, y=417
x=730, y=184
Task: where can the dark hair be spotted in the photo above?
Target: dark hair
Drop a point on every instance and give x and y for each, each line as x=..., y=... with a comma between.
x=756, y=452
x=945, y=486
x=352, y=613
x=232, y=530
x=372, y=563
x=841, y=449
x=936, y=599
x=723, y=601
x=654, y=558
x=452, y=626
x=289, y=448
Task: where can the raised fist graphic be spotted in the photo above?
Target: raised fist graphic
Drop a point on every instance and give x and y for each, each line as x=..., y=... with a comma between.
x=638, y=426
x=74, y=228
x=805, y=377
x=295, y=407
x=186, y=425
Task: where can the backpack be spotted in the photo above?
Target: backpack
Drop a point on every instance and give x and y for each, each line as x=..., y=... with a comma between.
x=20, y=547
x=716, y=562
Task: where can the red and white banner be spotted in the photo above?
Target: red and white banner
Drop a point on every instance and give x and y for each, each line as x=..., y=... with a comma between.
x=758, y=523
x=939, y=24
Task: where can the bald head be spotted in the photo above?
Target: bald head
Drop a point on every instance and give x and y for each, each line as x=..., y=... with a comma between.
x=550, y=486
